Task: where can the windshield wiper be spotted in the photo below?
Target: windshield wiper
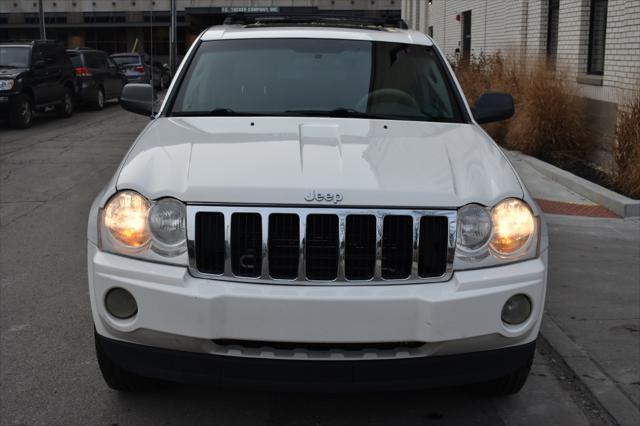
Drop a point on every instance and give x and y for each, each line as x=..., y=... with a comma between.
x=337, y=112
x=218, y=112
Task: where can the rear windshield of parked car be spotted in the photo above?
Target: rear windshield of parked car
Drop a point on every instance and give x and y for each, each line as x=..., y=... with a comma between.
x=14, y=56
x=76, y=59
x=317, y=77
x=126, y=60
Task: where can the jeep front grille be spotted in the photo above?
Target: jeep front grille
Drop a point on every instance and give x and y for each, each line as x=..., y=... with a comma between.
x=320, y=246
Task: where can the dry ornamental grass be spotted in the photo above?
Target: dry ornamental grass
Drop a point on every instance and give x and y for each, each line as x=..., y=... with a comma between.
x=549, y=119
x=626, y=150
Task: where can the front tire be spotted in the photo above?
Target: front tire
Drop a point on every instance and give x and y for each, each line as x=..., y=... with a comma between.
x=21, y=112
x=508, y=384
x=120, y=379
x=65, y=110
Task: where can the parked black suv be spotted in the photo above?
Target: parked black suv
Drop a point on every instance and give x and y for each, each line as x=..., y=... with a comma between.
x=98, y=77
x=34, y=75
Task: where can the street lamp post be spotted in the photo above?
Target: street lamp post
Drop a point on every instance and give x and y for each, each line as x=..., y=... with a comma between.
x=172, y=38
x=43, y=32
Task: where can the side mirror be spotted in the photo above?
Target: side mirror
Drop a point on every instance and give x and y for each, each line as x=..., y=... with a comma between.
x=138, y=98
x=493, y=107
x=40, y=63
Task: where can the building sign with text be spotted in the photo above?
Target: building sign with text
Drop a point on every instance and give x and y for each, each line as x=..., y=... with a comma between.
x=250, y=9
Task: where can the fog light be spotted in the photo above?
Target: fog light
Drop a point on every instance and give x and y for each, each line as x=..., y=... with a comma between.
x=120, y=303
x=516, y=310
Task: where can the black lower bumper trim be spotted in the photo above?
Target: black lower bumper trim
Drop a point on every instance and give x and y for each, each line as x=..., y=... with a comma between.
x=277, y=374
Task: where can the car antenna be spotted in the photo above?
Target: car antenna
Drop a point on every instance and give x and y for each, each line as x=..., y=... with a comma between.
x=153, y=95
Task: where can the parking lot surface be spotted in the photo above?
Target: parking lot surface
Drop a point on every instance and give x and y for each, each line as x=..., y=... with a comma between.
x=48, y=371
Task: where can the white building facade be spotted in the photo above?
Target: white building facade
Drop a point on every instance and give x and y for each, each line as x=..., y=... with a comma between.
x=596, y=41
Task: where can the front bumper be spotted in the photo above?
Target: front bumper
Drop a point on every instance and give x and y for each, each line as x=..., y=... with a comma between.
x=6, y=98
x=269, y=374
x=178, y=311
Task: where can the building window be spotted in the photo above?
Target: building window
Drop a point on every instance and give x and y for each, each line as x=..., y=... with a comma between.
x=430, y=32
x=552, y=30
x=597, y=36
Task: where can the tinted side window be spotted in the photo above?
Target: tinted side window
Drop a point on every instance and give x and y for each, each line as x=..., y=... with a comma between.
x=36, y=54
x=104, y=61
x=49, y=55
x=92, y=60
x=61, y=56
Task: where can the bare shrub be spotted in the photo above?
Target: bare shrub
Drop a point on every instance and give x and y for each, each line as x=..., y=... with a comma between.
x=626, y=150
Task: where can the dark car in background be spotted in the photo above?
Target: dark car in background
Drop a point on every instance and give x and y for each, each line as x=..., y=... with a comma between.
x=98, y=77
x=34, y=75
x=138, y=68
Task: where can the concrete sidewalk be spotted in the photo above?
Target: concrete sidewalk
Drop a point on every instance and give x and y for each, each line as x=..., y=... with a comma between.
x=593, y=301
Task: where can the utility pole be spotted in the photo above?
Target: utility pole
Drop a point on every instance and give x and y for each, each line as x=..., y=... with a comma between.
x=43, y=32
x=173, y=35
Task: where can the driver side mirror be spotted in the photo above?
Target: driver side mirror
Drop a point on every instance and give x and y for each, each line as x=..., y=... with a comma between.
x=138, y=98
x=493, y=106
x=39, y=64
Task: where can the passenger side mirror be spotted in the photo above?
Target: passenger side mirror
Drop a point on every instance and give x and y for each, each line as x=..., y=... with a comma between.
x=40, y=63
x=493, y=106
x=138, y=98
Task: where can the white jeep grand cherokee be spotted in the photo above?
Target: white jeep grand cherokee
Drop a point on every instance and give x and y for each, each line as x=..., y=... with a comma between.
x=315, y=206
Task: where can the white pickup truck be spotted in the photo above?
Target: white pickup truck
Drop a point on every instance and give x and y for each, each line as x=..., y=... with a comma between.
x=315, y=206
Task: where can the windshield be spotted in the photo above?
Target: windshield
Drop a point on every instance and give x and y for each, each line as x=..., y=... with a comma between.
x=14, y=56
x=126, y=60
x=317, y=77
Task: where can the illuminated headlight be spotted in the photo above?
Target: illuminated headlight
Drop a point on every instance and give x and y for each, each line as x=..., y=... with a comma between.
x=156, y=230
x=126, y=218
x=7, y=84
x=513, y=226
x=492, y=236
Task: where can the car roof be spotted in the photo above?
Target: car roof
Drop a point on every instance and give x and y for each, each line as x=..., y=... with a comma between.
x=126, y=54
x=29, y=43
x=84, y=49
x=393, y=35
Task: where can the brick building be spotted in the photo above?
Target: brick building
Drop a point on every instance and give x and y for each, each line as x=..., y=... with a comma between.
x=597, y=41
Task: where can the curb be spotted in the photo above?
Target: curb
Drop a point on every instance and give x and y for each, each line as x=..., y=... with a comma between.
x=602, y=388
x=623, y=206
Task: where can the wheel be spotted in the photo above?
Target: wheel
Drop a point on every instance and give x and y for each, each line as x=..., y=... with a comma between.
x=97, y=102
x=509, y=384
x=21, y=112
x=120, y=379
x=65, y=109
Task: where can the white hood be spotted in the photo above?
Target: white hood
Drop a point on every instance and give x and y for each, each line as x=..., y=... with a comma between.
x=280, y=160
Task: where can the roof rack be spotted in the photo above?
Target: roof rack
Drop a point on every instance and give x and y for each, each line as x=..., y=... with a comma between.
x=315, y=19
x=29, y=41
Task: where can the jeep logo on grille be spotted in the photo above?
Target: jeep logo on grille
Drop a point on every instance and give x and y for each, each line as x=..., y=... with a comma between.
x=328, y=197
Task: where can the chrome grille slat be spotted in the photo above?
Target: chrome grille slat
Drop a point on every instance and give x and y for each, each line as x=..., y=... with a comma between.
x=227, y=243
x=302, y=272
x=265, y=247
x=377, y=273
x=417, y=251
x=416, y=248
x=342, y=219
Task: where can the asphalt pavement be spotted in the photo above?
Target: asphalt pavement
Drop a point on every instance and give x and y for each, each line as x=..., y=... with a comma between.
x=49, y=176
